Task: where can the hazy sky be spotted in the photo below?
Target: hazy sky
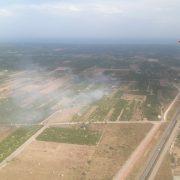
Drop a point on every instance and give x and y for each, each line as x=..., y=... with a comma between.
x=109, y=19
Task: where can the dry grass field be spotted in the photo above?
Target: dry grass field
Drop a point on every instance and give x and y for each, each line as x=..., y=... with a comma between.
x=164, y=171
x=140, y=164
x=50, y=160
x=175, y=154
x=117, y=144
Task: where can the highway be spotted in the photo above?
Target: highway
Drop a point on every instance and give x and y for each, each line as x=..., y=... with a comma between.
x=151, y=162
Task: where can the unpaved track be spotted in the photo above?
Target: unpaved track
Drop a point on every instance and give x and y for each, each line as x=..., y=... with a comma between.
x=27, y=143
x=128, y=166
x=98, y=122
x=106, y=122
x=47, y=123
x=126, y=169
x=21, y=148
x=150, y=167
x=164, y=152
x=170, y=106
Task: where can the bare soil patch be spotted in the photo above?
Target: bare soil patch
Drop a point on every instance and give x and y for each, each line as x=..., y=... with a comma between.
x=51, y=161
x=132, y=97
x=64, y=115
x=48, y=161
x=164, y=171
x=175, y=156
x=117, y=144
x=140, y=164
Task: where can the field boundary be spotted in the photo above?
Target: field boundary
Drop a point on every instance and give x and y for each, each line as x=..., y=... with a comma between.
x=22, y=147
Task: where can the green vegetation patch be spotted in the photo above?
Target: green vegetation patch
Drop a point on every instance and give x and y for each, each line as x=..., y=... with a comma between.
x=151, y=107
x=178, y=140
x=81, y=136
x=168, y=92
x=118, y=107
x=118, y=94
x=82, y=115
x=128, y=111
x=104, y=105
x=16, y=139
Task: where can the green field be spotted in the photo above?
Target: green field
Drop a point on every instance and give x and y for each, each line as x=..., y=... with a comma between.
x=151, y=107
x=118, y=94
x=128, y=111
x=70, y=135
x=117, y=109
x=81, y=116
x=16, y=139
x=104, y=106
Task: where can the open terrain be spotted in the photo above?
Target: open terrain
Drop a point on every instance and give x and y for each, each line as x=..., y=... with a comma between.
x=47, y=160
x=164, y=171
x=175, y=157
x=137, y=169
x=16, y=139
x=75, y=112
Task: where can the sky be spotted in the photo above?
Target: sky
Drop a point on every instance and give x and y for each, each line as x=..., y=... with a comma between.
x=96, y=19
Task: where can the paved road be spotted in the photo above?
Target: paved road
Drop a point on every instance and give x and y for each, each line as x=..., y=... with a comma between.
x=46, y=123
x=164, y=152
x=151, y=162
x=136, y=155
x=127, y=167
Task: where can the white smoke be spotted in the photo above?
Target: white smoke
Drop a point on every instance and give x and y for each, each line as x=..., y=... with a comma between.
x=35, y=94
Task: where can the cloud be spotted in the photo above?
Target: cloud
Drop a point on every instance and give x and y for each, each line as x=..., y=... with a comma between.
x=107, y=8
x=64, y=8
x=54, y=8
x=138, y=8
x=5, y=13
x=95, y=18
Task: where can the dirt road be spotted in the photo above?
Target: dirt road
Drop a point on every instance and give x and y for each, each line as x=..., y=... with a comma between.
x=28, y=142
x=127, y=167
x=153, y=163
x=22, y=147
x=170, y=106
